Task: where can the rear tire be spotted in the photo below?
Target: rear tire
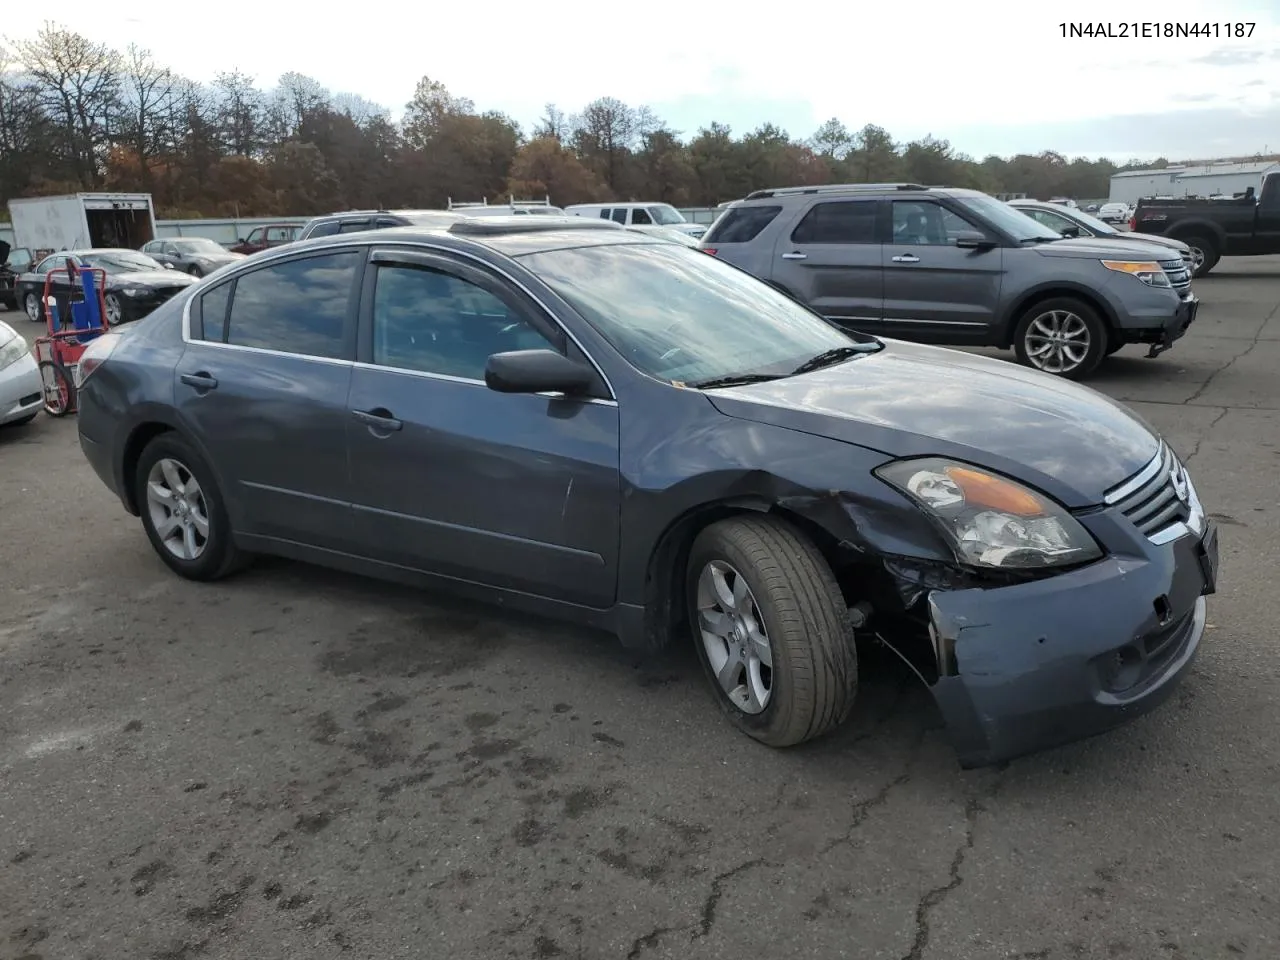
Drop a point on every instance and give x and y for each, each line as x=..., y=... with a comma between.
x=1080, y=344
x=174, y=510
x=1204, y=255
x=32, y=307
x=758, y=590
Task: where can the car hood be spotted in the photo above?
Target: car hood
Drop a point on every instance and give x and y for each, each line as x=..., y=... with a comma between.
x=225, y=257
x=1167, y=242
x=1096, y=248
x=913, y=400
x=151, y=278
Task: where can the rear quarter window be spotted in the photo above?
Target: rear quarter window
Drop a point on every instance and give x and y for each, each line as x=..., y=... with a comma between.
x=742, y=224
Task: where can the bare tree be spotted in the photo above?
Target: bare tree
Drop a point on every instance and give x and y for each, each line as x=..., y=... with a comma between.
x=239, y=113
x=553, y=124
x=359, y=110
x=78, y=84
x=147, y=89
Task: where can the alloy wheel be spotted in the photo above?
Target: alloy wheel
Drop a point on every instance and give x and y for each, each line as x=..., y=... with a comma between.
x=1057, y=341
x=178, y=509
x=31, y=303
x=113, y=309
x=734, y=637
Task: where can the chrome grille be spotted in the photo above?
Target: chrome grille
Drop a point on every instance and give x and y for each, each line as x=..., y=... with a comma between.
x=1179, y=274
x=1157, y=497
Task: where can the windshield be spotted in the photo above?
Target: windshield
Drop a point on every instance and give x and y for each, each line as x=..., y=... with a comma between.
x=198, y=245
x=1013, y=222
x=665, y=215
x=1092, y=222
x=120, y=261
x=680, y=315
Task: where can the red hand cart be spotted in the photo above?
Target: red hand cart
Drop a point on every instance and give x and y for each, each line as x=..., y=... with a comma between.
x=70, y=331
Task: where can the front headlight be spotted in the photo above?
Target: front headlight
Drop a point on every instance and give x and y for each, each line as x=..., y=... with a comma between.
x=992, y=521
x=134, y=292
x=13, y=350
x=1148, y=271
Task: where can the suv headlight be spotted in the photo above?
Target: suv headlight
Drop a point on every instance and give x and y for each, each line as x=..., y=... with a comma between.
x=13, y=350
x=1148, y=271
x=991, y=521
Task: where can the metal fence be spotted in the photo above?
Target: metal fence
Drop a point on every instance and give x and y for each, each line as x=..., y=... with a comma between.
x=229, y=230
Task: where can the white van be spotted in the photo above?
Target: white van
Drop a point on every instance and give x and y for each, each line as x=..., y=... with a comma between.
x=638, y=215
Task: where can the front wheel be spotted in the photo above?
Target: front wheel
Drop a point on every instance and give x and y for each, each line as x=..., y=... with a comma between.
x=59, y=391
x=1062, y=336
x=195, y=271
x=771, y=629
x=1204, y=255
x=182, y=510
x=115, y=312
x=31, y=305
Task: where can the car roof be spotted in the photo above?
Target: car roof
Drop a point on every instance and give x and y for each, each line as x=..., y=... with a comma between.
x=509, y=235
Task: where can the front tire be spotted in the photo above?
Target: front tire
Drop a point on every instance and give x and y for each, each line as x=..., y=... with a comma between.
x=195, y=271
x=115, y=311
x=771, y=629
x=1204, y=255
x=1061, y=336
x=182, y=510
x=31, y=305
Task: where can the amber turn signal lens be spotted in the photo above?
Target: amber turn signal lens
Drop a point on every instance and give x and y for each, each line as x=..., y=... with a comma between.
x=983, y=490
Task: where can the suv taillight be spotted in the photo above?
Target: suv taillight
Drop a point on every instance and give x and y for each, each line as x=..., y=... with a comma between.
x=1133, y=222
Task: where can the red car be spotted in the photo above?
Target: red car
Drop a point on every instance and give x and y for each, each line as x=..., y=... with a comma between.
x=263, y=238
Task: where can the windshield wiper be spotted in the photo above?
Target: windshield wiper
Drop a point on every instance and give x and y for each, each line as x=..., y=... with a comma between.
x=734, y=380
x=833, y=356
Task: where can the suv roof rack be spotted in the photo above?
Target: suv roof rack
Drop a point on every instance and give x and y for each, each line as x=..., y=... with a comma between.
x=497, y=226
x=511, y=202
x=833, y=188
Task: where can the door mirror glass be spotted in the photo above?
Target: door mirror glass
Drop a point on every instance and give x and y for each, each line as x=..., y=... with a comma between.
x=1072, y=231
x=536, y=371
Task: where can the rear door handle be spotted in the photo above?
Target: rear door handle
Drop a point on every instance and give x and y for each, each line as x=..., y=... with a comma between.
x=906, y=258
x=378, y=418
x=795, y=256
x=201, y=381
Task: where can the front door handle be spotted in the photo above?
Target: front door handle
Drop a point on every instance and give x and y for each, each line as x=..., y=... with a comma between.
x=906, y=258
x=379, y=418
x=795, y=256
x=201, y=380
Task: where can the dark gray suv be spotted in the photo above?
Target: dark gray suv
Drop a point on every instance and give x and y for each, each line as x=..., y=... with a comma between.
x=957, y=267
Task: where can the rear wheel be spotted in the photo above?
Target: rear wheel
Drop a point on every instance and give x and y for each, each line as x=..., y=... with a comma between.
x=1062, y=336
x=59, y=391
x=1204, y=255
x=182, y=510
x=771, y=629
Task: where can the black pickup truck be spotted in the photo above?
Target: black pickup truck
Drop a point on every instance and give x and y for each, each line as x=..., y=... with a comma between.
x=1244, y=226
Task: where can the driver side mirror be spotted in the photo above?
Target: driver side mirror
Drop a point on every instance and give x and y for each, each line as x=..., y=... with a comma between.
x=536, y=371
x=973, y=240
x=1070, y=231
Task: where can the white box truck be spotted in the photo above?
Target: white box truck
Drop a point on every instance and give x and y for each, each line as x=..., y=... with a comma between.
x=81, y=221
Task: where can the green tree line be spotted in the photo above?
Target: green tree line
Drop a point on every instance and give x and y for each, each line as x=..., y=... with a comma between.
x=78, y=115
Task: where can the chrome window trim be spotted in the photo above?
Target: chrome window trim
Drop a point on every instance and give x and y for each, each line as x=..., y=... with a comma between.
x=473, y=382
x=375, y=240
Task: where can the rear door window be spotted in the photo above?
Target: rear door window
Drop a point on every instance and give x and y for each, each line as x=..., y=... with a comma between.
x=325, y=229
x=620, y=215
x=839, y=221
x=353, y=226
x=742, y=224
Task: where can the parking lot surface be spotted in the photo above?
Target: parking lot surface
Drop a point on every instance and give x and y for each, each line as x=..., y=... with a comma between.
x=297, y=763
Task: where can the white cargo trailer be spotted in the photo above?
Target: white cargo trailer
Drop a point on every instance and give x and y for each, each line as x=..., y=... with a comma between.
x=81, y=221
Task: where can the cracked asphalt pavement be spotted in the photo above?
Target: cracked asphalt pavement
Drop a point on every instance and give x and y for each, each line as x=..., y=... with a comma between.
x=297, y=763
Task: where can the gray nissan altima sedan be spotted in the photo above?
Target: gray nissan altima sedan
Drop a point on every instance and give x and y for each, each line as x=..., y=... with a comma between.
x=572, y=419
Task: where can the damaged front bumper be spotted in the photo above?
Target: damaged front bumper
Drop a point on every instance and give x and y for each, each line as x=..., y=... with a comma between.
x=1043, y=663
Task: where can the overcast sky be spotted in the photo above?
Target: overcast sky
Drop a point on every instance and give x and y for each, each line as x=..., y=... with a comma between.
x=991, y=76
